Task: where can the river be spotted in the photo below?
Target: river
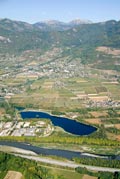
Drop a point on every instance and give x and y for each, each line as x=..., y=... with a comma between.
x=55, y=152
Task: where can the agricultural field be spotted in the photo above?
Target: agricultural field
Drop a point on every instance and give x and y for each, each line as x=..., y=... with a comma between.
x=88, y=177
x=13, y=174
x=67, y=174
x=67, y=93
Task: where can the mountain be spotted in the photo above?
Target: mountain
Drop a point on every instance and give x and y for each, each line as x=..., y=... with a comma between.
x=17, y=37
x=58, y=25
x=92, y=35
x=51, y=25
x=11, y=25
x=80, y=21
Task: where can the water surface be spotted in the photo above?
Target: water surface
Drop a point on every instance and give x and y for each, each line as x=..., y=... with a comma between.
x=70, y=126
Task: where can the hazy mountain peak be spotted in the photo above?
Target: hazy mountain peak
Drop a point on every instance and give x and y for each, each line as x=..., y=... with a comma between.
x=80, y=21
x=51, y=25
x=58, y=25
x=5, y=20
x=52, y=22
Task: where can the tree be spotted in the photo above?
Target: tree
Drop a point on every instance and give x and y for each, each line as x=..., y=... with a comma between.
x=115, y=175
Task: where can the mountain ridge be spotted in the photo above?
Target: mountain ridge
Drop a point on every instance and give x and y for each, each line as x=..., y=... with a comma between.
x=23, y=36
x=59, y=25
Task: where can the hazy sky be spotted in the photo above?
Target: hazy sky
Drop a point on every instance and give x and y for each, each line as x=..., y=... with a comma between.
x=64, y=10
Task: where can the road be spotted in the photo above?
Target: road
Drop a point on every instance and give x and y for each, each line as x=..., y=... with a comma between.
x=67, y=163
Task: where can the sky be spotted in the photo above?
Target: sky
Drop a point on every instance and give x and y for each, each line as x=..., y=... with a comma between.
x=32, y=11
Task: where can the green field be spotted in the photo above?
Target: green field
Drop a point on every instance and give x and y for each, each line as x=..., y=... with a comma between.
x=66, y=174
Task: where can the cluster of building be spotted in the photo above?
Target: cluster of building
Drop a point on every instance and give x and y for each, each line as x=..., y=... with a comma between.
x=103, y=103
x=27, y=128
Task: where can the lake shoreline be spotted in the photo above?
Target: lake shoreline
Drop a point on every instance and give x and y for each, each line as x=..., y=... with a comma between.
x=69, y=125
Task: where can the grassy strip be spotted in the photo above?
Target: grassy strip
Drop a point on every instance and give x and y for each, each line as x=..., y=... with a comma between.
x=63, y=140
x=98, y=162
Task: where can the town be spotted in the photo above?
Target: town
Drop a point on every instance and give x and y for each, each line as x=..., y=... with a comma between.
x=52, y=71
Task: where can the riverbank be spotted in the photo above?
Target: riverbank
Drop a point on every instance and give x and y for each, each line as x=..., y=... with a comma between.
x=9, y=149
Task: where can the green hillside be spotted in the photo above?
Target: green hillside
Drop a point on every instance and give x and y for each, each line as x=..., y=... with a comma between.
x=80, y=41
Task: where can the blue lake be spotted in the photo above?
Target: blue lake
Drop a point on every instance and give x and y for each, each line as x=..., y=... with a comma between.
x=70, y=126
